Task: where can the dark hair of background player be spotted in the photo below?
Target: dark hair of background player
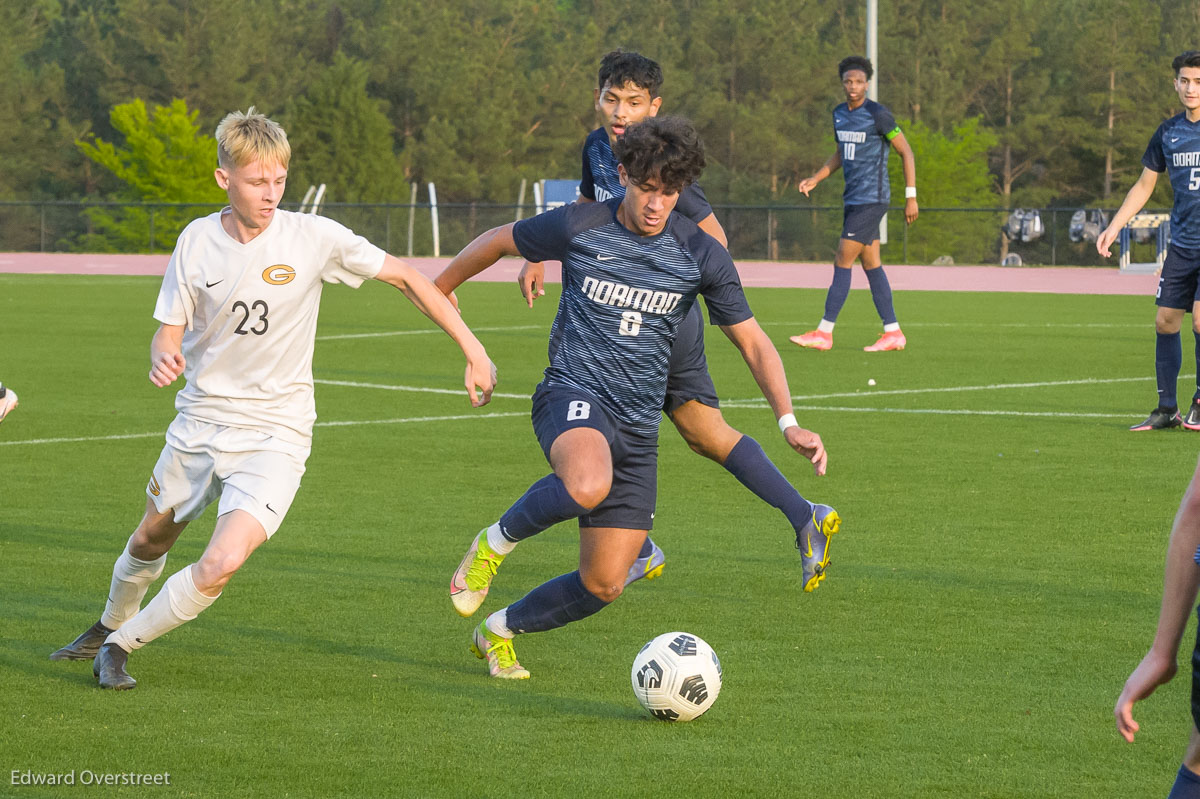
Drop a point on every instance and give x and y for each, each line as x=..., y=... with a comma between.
x=855, y=62
x=1189, y=59
x=621, y=67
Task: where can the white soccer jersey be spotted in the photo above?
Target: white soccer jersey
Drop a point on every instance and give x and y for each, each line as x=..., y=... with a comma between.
x=251, y=316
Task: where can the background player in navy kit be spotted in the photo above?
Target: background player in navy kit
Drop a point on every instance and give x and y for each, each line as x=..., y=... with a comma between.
x=1175, y=149
x=631, y=271
x=1180, y=583
x=627, y=92
x=864, y=130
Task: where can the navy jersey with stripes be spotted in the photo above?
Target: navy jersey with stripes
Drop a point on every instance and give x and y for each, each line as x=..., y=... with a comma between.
x=623, y=299
x=864, y=136
x=600, y=181
x=1175, y=149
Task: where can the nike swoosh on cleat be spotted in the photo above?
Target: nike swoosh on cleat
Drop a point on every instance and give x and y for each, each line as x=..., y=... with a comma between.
x=208, y=285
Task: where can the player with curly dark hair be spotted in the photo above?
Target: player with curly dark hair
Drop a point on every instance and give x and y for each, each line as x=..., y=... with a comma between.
x=632, y=271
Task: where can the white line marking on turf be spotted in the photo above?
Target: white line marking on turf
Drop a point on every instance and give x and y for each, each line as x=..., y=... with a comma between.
x=1032, y=325
x=1088, y=381
x=425, y=331
x=418, y=389
x=937, y=411
x=350, y=423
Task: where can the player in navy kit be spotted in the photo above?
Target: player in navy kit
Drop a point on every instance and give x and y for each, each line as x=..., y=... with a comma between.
x=865, y=132
x=632, y=271
x=627, y=93
x=1175, y=149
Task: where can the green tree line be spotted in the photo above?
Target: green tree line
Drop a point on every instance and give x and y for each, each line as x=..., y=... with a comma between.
x=1022, y=102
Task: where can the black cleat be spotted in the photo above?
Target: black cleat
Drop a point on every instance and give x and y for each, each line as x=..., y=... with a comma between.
x=109, y=668
x=1163, y=419
x=85, y=646
x=1192, y=420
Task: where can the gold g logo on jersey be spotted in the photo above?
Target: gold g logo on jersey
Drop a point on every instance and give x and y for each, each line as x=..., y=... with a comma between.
x=154, y=488
x=278, y=274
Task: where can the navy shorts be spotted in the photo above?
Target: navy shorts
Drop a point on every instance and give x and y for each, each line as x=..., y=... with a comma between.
x=687, y=377
x=861, y=222
x=631, y=500
x=1177, y=285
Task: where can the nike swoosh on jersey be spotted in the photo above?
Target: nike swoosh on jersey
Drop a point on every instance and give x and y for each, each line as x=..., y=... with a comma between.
x=208, y=285
x=605, y=257
x=1175, y=139
x=272, y=509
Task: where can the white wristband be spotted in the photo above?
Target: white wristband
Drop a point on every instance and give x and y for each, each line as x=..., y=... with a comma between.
x=910, y=192
x=786, y=421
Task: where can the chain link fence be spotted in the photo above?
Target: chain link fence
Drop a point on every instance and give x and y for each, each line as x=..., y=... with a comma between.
x=756, y=232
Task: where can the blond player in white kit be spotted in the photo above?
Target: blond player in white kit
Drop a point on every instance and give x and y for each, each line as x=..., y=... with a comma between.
x=238, y=308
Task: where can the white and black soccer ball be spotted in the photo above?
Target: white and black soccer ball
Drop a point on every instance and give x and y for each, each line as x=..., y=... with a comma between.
x=676, y=677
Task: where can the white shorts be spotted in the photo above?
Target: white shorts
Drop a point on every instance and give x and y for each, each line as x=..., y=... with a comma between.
x=248, y=470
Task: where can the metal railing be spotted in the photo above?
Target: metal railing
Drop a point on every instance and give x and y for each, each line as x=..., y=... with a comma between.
x=794, y=233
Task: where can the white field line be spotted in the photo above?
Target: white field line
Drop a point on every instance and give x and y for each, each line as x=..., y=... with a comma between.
x=732, y=404
x=417, y=389
x=743, y=405
x=350, y=423
x=1030, y=325
x=426, y=331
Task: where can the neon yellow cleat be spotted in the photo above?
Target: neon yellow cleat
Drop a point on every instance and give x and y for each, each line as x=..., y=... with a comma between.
x=498, y=652
x=813, y=542
x=470, y=583
x=649, y=567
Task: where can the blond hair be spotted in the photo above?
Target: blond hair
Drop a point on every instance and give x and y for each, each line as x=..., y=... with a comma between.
x=245, y=138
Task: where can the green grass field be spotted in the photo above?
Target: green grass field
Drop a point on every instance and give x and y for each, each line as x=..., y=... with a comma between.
x=996, y=579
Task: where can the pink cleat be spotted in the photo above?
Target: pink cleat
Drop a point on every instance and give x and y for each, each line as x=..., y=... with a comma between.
x=814, y=340
x=892, y=340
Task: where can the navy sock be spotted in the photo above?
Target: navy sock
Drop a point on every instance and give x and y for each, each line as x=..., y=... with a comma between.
x=1168, y=357
x=839, y=290
x=881, y=292
x=1196, y=396
x=647, y=548
x=553, y=604
x=1187, y=785
x=545, y=504
x=751, y=466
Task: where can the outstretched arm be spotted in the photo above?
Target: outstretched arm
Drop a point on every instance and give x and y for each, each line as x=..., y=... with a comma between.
x=480, y=377
x=1135, y=200
x=485, y=250
x=828, y=168
x=166, y=355
x=1180, y=584
x=764, y=362
x=904, y=150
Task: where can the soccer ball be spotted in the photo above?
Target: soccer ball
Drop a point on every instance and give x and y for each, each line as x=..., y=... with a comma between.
x=676, y=677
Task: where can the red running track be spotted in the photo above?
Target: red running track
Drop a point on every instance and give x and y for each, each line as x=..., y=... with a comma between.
x=1048, y=280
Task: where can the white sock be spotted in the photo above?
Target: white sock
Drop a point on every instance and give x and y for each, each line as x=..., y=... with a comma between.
x=498, y=623
x=131, y=577
x=891, y=328
x=825, y=326
x=496, y=540
x=176, y=602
